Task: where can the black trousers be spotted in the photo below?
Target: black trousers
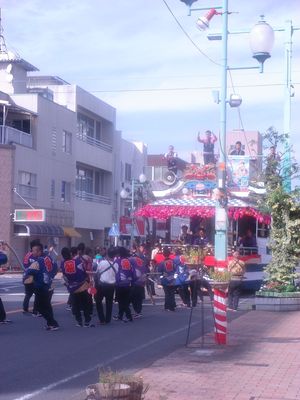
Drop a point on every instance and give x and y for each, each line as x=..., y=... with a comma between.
x=170, y=303
x=137, y=297
x=234, y=293
x=2, y=312
x=184, y=294
x=43, y=303
x=209, y=158
x=29, y=292
x=69, y=302
x=105, y=292
x=81, y=302
x=123, y=298
x=91, y=304
x=196, y=287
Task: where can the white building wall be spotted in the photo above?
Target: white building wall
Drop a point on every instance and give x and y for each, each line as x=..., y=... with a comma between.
x=89, y=215
x=135, y=154
x=47, y=160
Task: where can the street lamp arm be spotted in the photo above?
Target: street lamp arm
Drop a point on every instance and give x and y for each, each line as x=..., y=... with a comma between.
x=213, y=34
x=206, y=8
x=237, y=68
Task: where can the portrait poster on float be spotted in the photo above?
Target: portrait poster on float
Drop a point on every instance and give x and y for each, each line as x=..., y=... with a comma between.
x=238, y=171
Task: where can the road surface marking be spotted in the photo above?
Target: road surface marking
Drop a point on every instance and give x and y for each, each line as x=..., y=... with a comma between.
x=58, y=303
x=102, y=365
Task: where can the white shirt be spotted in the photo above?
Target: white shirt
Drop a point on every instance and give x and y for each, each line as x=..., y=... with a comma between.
x=109, y=276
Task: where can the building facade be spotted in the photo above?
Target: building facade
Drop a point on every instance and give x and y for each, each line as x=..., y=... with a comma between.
x=132, y=166
x=60, y=151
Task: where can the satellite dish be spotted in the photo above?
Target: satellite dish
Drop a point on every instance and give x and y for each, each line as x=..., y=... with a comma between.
x=9, y=78
x=9, y=68
x=169, y=178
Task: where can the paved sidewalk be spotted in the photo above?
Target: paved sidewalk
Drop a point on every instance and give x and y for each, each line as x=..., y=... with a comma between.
x=261, y=361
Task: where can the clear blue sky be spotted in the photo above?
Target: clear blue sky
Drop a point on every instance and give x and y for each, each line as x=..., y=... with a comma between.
x=133, y=55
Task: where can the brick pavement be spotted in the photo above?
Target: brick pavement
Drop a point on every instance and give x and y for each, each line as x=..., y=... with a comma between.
x=260, y=362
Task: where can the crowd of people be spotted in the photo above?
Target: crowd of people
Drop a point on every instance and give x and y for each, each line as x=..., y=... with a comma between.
x=112, y=275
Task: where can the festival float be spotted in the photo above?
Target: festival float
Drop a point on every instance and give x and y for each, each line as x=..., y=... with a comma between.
x=193, y=196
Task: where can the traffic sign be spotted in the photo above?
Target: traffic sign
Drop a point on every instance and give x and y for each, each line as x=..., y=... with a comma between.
x=30, y=215
x=114, y=230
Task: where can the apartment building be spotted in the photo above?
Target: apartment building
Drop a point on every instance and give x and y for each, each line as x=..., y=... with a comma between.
x=60, y=152
x=133, y=164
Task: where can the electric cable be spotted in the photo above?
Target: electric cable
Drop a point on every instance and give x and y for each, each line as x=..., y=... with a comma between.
x=188, y=36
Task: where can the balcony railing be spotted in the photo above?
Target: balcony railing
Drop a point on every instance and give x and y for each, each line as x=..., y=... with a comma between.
x=95, y=198
x=94, y=142
x=9, y=135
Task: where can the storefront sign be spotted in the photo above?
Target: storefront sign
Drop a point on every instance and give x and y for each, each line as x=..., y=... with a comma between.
x=30, y=215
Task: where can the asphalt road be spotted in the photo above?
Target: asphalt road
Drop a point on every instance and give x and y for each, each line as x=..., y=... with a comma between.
x=37, y=364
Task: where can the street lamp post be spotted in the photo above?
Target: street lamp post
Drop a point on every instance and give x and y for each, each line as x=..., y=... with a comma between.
x=124, y=194
x=261, y=42
x=221, y=224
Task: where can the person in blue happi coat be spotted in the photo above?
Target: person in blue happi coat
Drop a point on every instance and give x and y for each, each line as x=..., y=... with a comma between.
x=167, y=269
x=181, y=278
x=43, y=271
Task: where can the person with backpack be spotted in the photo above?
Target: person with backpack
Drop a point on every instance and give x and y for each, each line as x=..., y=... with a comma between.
x=167, y=269
x=181, y=278
x=105, y=283
x=77, y=281
x=124, y=281
x=141, y=269
x=43, y=271
x=237, y=269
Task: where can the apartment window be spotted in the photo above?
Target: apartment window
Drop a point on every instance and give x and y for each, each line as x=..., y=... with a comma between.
x=22, y=125
x=88, y=127
x=127, y=172
x=65, y=192
x=92, y=181
x=27, y=184
x=67, y=142
x=85, y=125
x=52, y=189
x=97, y=183
x=98, y=130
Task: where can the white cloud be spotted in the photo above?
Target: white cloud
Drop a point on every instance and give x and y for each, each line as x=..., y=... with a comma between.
x=136, y=44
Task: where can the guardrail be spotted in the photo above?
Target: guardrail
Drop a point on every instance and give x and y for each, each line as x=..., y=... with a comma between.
x=95, y=198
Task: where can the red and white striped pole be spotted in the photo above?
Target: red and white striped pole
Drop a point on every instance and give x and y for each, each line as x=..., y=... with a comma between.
x=220, y=314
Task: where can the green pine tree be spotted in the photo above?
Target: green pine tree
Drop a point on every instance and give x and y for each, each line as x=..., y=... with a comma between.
x=284, y=209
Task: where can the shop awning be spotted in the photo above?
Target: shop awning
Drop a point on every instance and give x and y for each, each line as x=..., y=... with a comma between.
x=39, y=229
x=71, y=232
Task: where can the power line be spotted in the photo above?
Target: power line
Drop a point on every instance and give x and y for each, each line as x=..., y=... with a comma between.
x=188, y=36
x=180, y=89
